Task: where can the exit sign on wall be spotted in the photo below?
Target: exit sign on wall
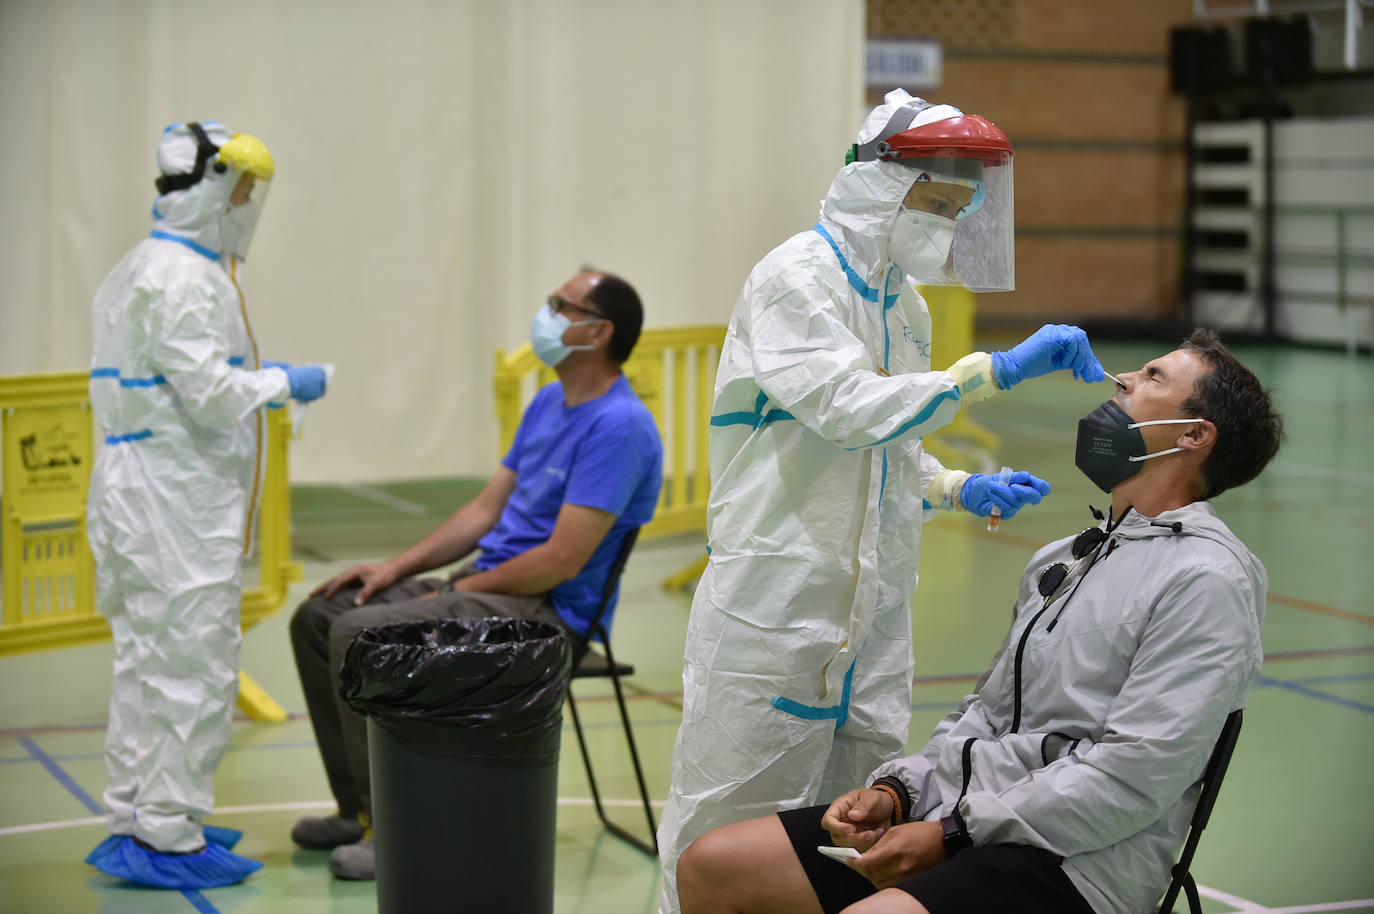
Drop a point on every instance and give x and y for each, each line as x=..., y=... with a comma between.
x=909, y=63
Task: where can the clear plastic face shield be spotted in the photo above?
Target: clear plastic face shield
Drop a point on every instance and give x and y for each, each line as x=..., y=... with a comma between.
x=966, y=164
x=250, y=171
x=983, y=257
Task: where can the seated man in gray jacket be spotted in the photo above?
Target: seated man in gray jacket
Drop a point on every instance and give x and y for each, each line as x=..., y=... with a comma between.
x=1065, y=782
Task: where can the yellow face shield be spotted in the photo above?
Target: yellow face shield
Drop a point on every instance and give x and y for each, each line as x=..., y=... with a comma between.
x=245, y=155
x=248, y=153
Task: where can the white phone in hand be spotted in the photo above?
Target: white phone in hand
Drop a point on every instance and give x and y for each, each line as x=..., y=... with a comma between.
x=838, y=853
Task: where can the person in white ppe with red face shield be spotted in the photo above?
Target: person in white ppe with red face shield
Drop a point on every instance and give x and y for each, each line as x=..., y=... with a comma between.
x=179, y=391
x=798, y=661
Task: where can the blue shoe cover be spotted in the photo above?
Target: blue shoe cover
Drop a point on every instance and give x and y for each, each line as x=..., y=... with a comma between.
x=224, y=837
x=104, y=848
x=206, y=869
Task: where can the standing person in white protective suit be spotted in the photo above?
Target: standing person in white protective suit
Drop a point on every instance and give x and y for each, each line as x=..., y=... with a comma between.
x=798, y=662
x=179, y=391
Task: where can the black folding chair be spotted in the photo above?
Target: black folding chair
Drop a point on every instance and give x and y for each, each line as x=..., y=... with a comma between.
x=1207, y=798
x=593, y=664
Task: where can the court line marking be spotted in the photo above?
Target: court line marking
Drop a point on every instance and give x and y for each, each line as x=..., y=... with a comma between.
x=63, y=778
x=1242, y=905
x=1245, y=906
x=1321, y=609
x=1235, y=901
x=197, y=900
x=1317, y=653
x=377, y=496
x=1271, y=682
x=1328, y=906
x=1323, y=680
x=304, y=806
x=1011, y=539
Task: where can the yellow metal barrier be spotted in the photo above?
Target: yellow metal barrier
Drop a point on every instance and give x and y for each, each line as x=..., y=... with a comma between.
x=47, y=590
x=673, y=370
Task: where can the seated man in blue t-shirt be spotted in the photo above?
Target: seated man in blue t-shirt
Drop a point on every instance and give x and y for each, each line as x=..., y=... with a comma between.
x=584, y=470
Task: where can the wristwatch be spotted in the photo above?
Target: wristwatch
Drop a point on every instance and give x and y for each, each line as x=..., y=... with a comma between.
x=956, y=836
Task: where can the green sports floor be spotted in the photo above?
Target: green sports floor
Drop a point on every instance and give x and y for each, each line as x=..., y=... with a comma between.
x=1293, y=830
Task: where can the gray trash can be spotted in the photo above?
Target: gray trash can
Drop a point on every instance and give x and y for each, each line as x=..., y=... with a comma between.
x=464, y=722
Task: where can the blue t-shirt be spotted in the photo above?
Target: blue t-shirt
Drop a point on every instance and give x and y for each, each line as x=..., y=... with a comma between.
x=603, y=454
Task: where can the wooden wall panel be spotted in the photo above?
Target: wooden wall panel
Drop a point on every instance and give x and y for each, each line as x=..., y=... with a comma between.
x=1100, y=26
x=1065, y=100
x=1136, y=189
x=1082, y=90
x=957, y=23
x=1087, y=279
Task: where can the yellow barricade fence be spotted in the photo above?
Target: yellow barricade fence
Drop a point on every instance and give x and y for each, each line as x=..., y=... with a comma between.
x=47, y=575
x=673, y=370
x=962, y=443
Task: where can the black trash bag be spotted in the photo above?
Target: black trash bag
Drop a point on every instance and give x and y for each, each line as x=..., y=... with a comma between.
x=488, y=691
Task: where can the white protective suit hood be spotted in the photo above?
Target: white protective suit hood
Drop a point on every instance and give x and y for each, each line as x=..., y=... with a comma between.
x=200, y=215
x=861, y=207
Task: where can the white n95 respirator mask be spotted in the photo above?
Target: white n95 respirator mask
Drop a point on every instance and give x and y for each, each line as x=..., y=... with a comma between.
x=920, y=243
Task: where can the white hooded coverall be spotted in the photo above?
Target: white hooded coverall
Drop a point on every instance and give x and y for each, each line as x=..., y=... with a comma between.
x=177, y=390
x=798, y=662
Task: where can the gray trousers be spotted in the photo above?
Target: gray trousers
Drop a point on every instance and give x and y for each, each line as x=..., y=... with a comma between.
x=321, y=631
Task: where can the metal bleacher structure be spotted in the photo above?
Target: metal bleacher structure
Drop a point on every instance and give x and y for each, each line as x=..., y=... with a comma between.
x=1322, y=247
x=1279, y=222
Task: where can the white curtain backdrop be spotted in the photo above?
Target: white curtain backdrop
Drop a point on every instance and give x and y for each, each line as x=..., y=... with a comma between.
x=441, y=167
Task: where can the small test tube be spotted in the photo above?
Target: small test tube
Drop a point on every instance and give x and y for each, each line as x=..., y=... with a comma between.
x=995, y=518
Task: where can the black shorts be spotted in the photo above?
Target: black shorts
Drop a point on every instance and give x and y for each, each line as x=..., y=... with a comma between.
x=998, y=877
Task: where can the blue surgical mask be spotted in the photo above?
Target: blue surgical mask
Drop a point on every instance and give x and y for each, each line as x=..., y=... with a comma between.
x=546, y=336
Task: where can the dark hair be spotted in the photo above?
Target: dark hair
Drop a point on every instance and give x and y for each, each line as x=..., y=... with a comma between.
x=1231, y=398
x=617, y=299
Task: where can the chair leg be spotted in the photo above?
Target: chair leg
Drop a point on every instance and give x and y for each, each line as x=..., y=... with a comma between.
x=586, y=757
x=1194, y=902
x=650, y=849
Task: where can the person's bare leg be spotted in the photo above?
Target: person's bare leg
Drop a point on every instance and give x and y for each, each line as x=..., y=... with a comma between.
x=745, y=868
x=888, y=901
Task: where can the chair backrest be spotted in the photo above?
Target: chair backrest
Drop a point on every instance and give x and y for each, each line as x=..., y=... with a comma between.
x=1202, y=811
x=595, y=628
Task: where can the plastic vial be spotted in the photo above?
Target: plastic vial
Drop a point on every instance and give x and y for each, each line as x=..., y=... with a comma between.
x=995, y=518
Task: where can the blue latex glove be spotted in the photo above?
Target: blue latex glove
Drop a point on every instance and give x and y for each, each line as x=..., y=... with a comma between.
x=307, y=382
x=1051, y=348
x=983, y=490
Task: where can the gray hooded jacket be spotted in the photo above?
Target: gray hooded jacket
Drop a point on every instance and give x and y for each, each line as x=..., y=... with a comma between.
x=1090, y=730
